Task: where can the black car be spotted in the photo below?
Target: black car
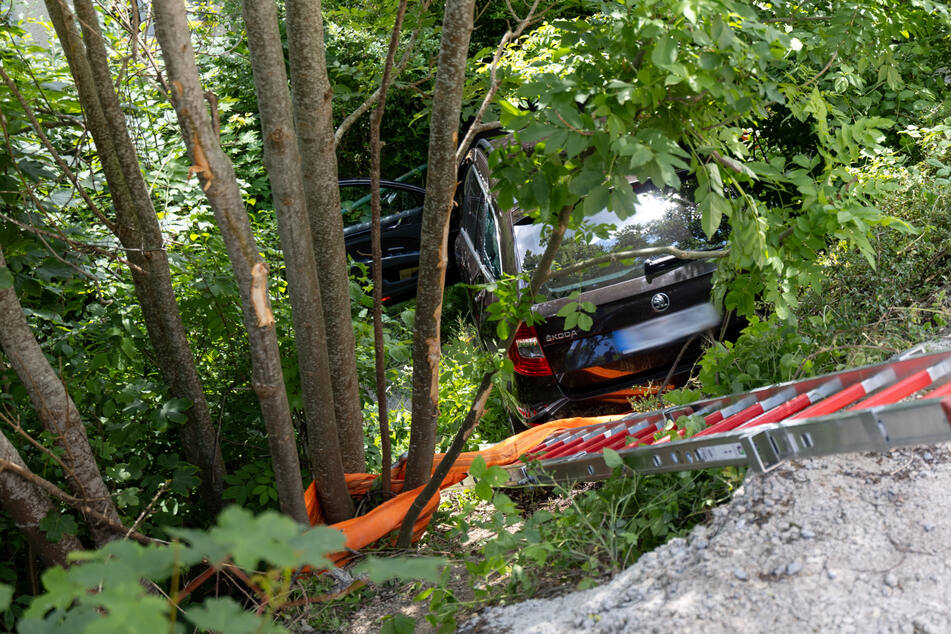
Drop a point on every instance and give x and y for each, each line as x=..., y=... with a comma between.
x=647, y=314
x=646, y=309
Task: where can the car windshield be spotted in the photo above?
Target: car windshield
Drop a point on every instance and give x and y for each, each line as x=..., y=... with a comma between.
x=662, y=218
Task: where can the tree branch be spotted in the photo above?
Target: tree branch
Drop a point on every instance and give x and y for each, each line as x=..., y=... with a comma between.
x=76, y=503
x=494, y=82
x=611, y=258
x=375, y=97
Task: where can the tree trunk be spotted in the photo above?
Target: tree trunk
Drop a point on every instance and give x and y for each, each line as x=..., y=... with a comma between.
x=55, y=409
x=315, y=136
x=440, y=187
x=477, y=408
x=27, y=504
x=216, y=173
x=282, y=160
x=141, y=236
x=376, y=157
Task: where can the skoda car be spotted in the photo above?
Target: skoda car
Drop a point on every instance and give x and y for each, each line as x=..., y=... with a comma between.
x=649, y=312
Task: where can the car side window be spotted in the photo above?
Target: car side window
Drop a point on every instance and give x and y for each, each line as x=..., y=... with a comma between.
x=355, y=202
x=489, y=236
x=471, y=205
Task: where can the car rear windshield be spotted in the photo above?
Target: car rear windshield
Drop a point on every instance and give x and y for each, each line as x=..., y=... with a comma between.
x=663, y=217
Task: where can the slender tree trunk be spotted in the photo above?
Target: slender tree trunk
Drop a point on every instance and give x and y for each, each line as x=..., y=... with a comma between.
x=141, y=236
x=376, y=151
x=315, y=136
x=283, y=163
x=440, y=187
x=27, y=504
x=216, y=173
x=477, y=408
x=55, y=409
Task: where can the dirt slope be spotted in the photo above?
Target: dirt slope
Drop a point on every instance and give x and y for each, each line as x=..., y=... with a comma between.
x=854, y=543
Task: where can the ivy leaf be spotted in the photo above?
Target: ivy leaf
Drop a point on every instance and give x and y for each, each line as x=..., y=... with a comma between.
x=6, y=278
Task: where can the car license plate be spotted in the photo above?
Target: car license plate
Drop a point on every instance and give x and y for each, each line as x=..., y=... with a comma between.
x=665, y=329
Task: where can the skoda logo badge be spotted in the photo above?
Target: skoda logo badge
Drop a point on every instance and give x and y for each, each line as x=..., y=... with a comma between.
x=660, y=302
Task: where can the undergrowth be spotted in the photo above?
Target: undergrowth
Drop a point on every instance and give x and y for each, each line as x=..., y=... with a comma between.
x=521, y=543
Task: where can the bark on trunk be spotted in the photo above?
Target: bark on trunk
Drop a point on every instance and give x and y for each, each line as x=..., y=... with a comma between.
x=440, y=187
x=27, y=504
x=315, y=136
x=55, y=409
x=216, y=174
x=141, y=236
x=376, y=152
x=283, y=163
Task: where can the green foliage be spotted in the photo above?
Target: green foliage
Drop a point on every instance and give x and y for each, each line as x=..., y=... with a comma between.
x=767, y=351
x=106, y=593
x=6, y=596
x=380, y=569
x=600, y=530
x=577, y=313
x=857, y=313
x=656, y=88
x=398, y=624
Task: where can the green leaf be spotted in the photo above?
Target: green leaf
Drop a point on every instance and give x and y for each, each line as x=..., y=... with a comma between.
x=477, y=467
x=398, y=624
x=6, y=278
x=571, y=319
x=612, y=459
x=381, y=569
x=596, y=200
x=482, y=490
x=6, y=595
x=225, y=615
x=57, y=524
x=583, y=183
x=665, y=52
x=714, y=207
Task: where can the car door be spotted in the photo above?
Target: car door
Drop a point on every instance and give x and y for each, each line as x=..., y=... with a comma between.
x=478, y=247
x=401, y=208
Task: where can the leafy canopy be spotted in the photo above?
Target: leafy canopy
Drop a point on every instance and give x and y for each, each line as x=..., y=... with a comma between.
x=663, y=90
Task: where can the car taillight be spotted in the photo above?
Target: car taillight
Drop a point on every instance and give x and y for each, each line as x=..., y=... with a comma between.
x=526, y=353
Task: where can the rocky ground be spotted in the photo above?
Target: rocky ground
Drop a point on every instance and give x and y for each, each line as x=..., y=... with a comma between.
x=852, y=543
